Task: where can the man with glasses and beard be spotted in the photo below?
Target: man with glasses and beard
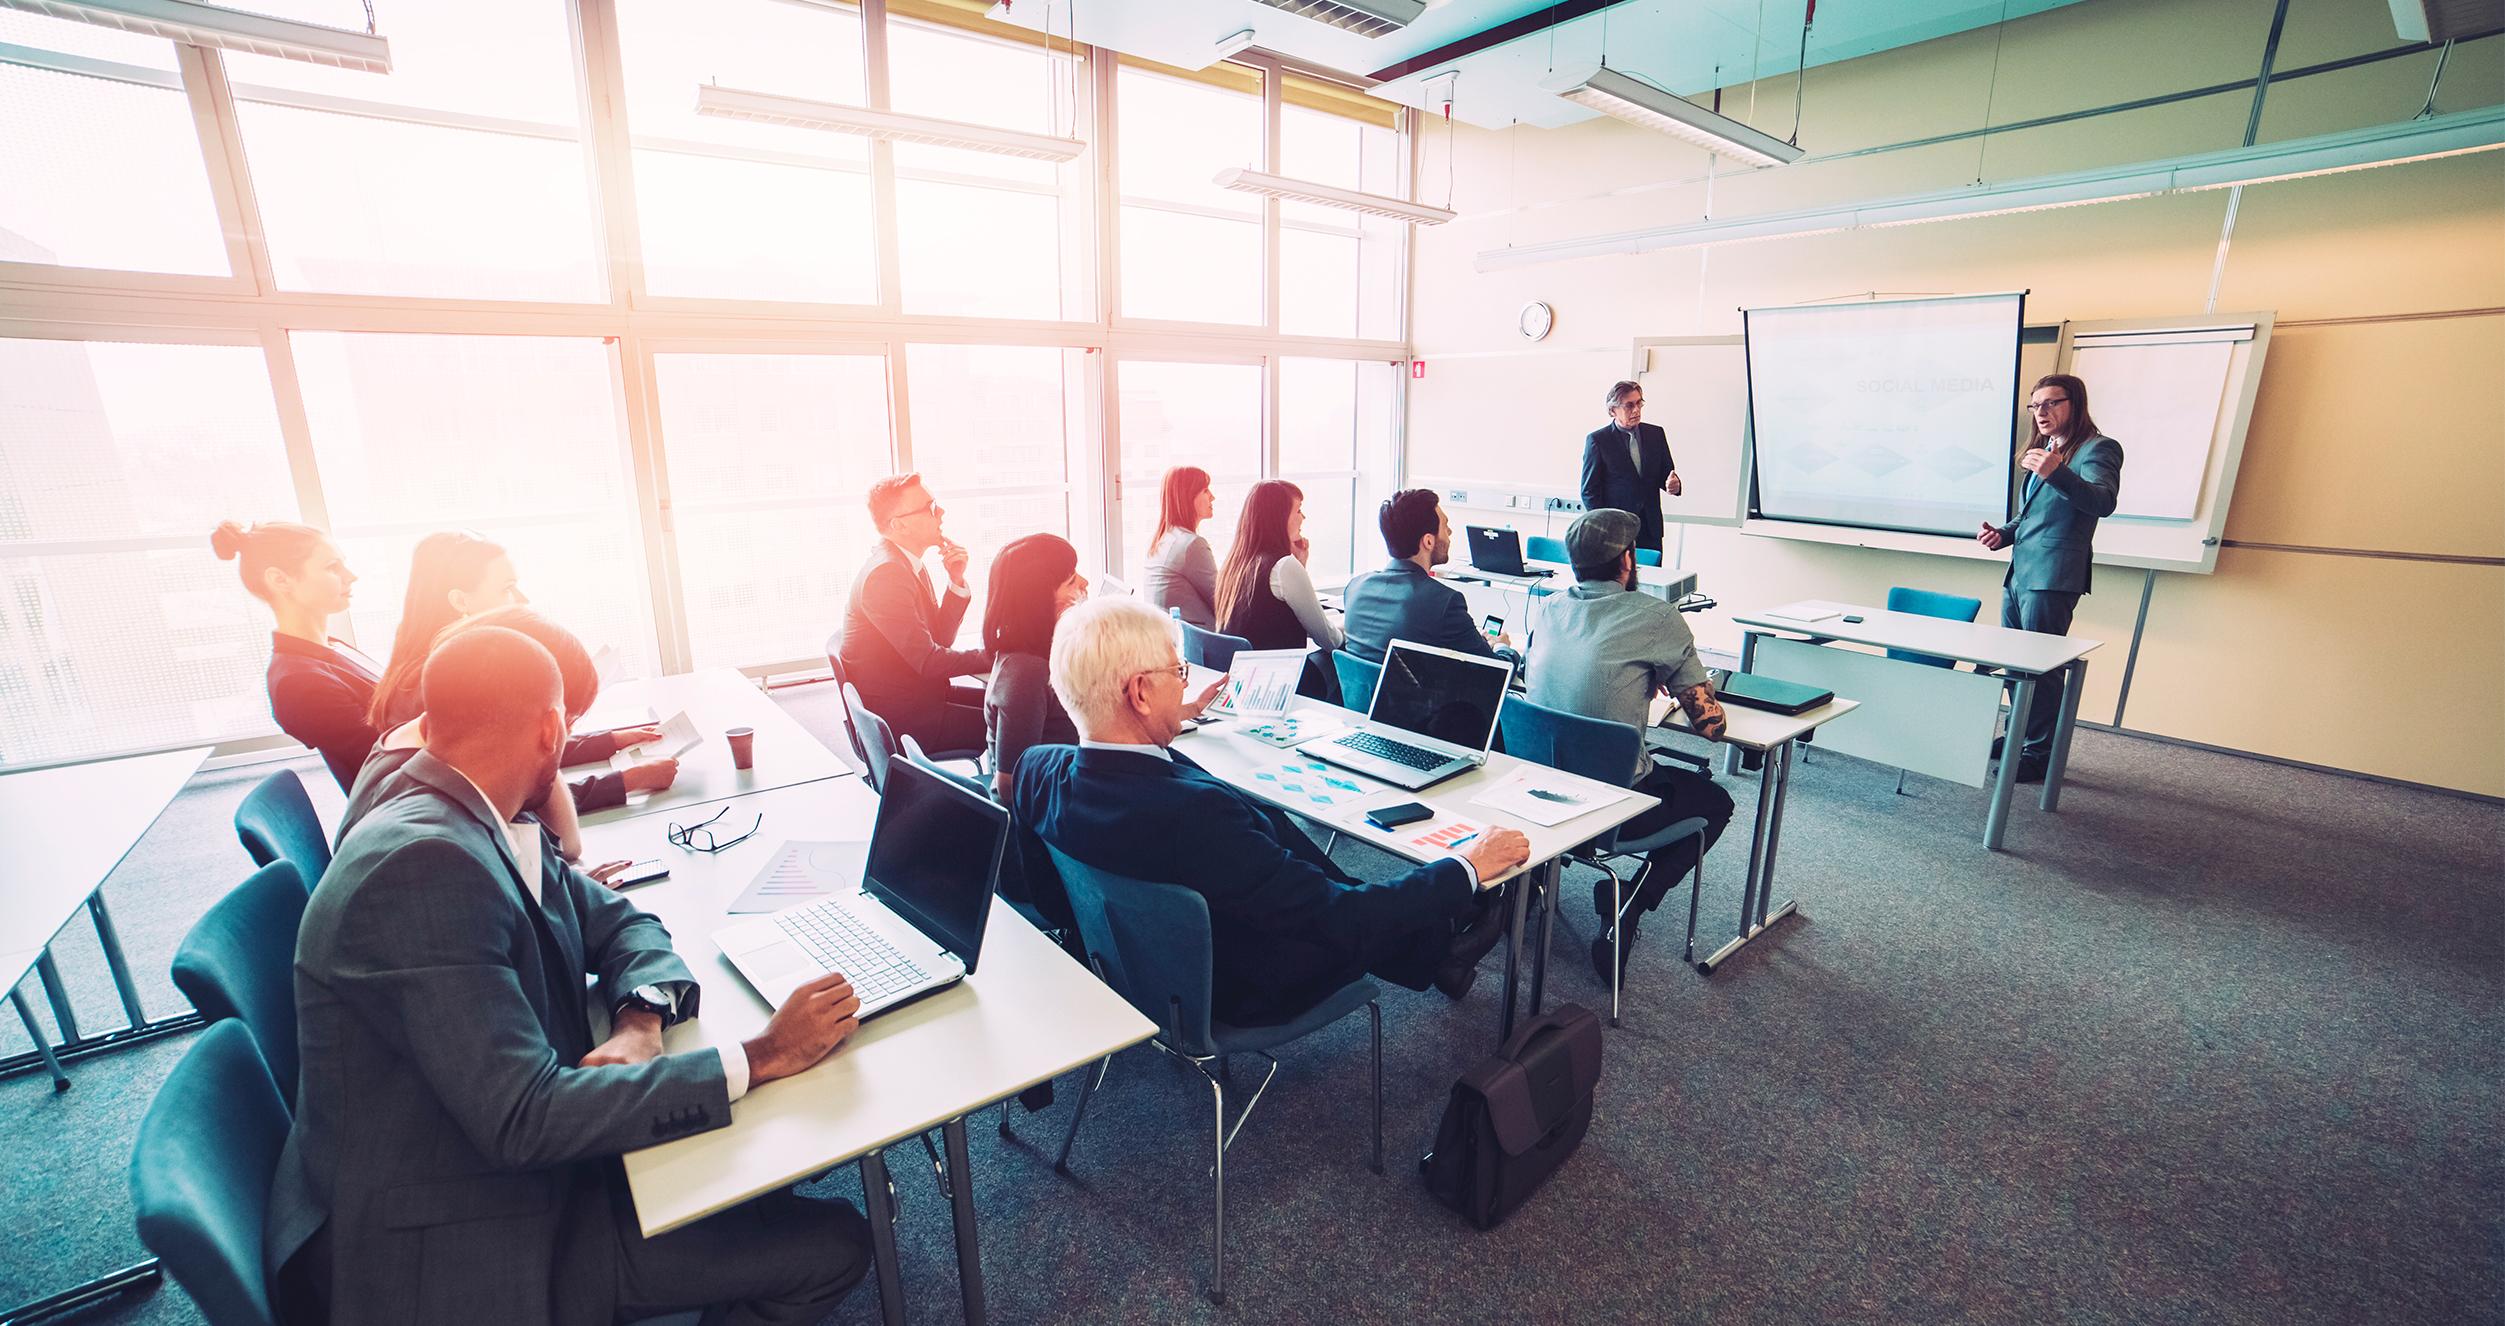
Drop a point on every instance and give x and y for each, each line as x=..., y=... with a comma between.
x=454, y=1150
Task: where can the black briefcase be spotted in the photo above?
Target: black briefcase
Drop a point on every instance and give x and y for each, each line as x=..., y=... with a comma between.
x=1513, y=1120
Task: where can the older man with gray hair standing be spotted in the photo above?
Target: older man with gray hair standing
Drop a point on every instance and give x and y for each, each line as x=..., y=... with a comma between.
x=1287, y=925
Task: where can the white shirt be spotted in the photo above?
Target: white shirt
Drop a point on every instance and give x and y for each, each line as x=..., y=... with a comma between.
x=524, y=837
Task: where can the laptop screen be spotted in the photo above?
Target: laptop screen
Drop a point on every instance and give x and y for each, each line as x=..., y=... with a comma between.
x=1495, y=549
x=1441, y=694
x=934, y=853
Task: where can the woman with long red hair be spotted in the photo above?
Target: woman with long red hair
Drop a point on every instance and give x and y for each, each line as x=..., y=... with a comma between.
x=1182, y=572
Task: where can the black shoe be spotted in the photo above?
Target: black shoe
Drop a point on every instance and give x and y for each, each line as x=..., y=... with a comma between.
x=1460, y=967
x=1996, y=746
x=2030, y=768
x=1626, y=951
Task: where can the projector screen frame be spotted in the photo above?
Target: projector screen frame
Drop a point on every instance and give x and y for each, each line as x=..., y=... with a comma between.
x=2017, y=368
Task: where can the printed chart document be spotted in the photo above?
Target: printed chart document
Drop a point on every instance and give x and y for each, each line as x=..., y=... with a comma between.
x=678, y=736
x=1291, y=729
x=1311, y=787
x=1809, y=610
x=1546, y=801
x=802, y=872
x=1445, y=833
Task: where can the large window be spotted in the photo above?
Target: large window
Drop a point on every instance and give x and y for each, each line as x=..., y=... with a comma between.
x=118, y=630
x=770, y=457
x=1207, y=415
x=991, y=438
x=1191, y=251
x=1339, y=271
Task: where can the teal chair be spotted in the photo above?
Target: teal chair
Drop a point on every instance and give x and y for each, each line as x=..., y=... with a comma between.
x=1150, y=942
x=277, y=823
x=1648, y=557
x=878, y=745
x=1357, y=680
x=1215, y=650
x=1928, y=603
x=1602, y=751
x=200, y=1174
x=1541, y=548
x=239, y=962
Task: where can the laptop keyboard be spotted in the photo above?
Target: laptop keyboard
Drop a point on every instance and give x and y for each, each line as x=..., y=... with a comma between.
x=1384, y=748
x=840, y=942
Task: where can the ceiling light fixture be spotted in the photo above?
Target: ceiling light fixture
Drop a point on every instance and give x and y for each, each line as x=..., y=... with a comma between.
x=800, y=112
x=1326, y=195
x=1616, y=95
x=1366, y=18
x=225, y=29
x=2457, y=134
x=1230, y=46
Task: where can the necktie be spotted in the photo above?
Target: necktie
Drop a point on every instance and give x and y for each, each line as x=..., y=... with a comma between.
x=1635, y=453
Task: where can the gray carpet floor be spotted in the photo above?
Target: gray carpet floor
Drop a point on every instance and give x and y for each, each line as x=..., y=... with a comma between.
x=2221, y=1042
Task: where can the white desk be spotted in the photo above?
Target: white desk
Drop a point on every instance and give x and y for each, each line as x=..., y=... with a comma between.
x=716, y=699
x=2025, y=658
x=1027, y=1014
x=66, y=829
x=1774, y=735
x=1230, y=755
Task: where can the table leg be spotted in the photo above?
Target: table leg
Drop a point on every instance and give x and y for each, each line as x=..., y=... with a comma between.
x=2013, y=750
x=43, y=1043
x=2074, y=680
x=58, y=993
x=1755, y=917
x=1748, y=657
x=961, y=1196
x=1552, y=881
x=1514, y=935
x=111, y=939
x=878, y=1201
x=1756, y=860
x=1774, y=841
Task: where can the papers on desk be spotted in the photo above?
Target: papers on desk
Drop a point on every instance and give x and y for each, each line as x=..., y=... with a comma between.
x=678, y=736
x=610, y=715
x=1290, y=729
x=1546, y=800
x=1809, y=610
x=1311, y=787
x=1454, y=834
x=803, y=871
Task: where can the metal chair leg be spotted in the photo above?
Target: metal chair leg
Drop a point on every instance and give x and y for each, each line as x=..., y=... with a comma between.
x=1087, y=1090
x=1374, y=1011
x=1900, y=782
x=61, y=1080
x=1329, y=847
x=1004, y=1120
x=1217, y=1220
x=1617, y=939
x=1695, y=890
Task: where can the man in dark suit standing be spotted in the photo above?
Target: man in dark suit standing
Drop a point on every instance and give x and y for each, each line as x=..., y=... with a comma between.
x=1627, y=466
x=454, y=1151
x=2074, y=476
x=1287, y=926
x=897, y=631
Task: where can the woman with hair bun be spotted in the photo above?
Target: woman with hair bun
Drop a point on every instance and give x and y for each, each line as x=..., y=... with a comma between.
x=320, y=687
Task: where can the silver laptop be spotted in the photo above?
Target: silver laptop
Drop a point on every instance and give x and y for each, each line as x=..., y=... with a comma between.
x=1434, y=716
x=915, y=926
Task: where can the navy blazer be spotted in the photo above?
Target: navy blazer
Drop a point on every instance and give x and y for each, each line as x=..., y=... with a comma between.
x=444, y=1134
x=1403, y=602
x=1612, y=480
x=320, y=696
x=895, y=641
x=2053, y=540
x=1286, y=926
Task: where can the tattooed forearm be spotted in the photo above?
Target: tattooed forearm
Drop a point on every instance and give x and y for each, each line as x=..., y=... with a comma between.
x=1704, y=712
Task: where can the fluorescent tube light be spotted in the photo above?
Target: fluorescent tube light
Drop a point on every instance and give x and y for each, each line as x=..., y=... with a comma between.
x=768, y=108
x=225, y=29
x=1306, y=191
x=1230, y=46
x=1614, y=94
x=2462, y=132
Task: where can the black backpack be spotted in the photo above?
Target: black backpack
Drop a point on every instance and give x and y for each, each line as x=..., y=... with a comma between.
x=1515, y=1118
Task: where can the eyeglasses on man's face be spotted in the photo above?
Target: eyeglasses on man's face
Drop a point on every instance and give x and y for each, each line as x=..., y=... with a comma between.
x=702, y=837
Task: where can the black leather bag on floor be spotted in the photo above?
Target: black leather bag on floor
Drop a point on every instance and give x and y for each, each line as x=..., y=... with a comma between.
x=1515, y=1119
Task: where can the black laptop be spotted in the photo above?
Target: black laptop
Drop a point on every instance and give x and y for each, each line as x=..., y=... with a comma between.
x=1769, y=693
x=1498, y=550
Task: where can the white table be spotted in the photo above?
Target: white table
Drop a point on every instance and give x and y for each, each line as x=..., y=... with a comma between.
x=1230, y=755
x=2026, y=659
x=1026, y=1015
x=1774, y=736
x=67, y=828
x=716, y=699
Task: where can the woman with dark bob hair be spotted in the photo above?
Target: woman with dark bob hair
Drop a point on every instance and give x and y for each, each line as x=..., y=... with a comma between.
x=1034, y=580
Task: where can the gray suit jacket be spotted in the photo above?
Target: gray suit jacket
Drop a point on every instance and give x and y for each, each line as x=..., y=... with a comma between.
x=443, y=1132
x=895, y=640
x=2053, y=540
x=1401, y=602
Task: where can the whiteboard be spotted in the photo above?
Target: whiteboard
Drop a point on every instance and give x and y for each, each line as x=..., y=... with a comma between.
x=2161, y=401
x=1696, y=389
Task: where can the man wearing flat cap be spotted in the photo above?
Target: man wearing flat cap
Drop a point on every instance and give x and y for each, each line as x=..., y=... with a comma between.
x=1604, y=650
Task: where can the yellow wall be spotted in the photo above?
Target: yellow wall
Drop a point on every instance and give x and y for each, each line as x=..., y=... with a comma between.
x=2377, y=425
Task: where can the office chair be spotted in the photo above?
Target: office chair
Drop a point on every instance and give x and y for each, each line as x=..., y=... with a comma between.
x=1150, y=942
x=878, y=742
x=912, y=750
x=852, y=730
x=1928, y=603
x=1357, y=680
x=1542, y=548
x=1602, y=751
x=1211, y=649
x=239, y=962
x=277, y=823
x=200, y=1174
x=1648, y=557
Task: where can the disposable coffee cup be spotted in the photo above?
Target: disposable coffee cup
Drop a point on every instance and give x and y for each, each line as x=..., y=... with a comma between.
x=743, y=745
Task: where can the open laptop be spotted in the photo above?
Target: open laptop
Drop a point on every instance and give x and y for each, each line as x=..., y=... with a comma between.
x=1498, y=549
x=1434, y=716
x=915, y=927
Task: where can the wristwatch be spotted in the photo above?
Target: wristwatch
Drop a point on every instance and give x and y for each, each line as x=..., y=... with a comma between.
x=655, y=999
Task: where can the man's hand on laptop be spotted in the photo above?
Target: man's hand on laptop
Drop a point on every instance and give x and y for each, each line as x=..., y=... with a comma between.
x=1497, y=851
x=807, y=1028
x=1199, y=704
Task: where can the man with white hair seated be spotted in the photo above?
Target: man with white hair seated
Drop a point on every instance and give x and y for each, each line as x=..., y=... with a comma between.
x=1287, y=925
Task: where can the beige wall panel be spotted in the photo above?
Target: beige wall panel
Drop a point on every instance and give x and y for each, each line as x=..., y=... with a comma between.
x=2337, y=661
x=2378, y=435
x=2405, y=239
x=1511, y=419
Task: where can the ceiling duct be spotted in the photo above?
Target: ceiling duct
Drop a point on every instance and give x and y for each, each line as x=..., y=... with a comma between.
x=2446, y=20
x=1366, y=18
